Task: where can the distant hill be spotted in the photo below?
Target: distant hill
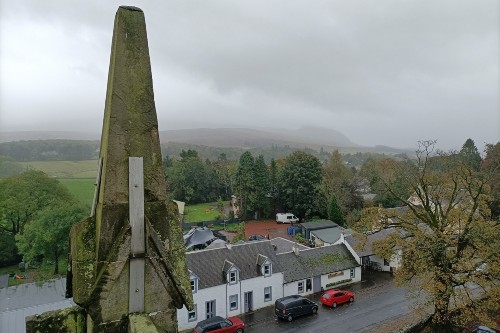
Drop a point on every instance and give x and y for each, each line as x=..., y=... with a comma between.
x=47, y=135
x=39, y=145
x=253, y=138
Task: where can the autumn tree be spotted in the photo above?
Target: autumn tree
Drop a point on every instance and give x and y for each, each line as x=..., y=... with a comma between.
x=488, y=166
x=299, y=181
x=376, y=169
x=447, y=240
x=339, y=181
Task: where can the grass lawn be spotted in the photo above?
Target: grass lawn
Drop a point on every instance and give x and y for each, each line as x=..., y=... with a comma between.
x=81, y=188
x=43, y=273
x=201, y=212
x=65, y=169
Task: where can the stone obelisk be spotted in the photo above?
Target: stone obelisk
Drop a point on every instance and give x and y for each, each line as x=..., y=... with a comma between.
x=128, y=266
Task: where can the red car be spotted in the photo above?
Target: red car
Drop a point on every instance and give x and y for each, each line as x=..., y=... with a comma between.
x=334, y=297
x=220, y=325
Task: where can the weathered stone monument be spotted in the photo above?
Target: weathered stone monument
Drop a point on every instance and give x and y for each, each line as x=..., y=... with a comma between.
x=128, y=270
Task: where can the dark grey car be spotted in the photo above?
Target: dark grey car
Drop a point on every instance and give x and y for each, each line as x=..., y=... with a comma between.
x=294, y=306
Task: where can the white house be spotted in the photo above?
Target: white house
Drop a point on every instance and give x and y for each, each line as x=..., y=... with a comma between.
x=313, y=270
x=232, y=280
x=244, y=277
x=364, y=251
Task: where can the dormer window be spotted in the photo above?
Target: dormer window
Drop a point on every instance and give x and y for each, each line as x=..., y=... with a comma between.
x=264, y=265
x=233, y=277
x=231, y=272
x=267, y=270
x=193, y=280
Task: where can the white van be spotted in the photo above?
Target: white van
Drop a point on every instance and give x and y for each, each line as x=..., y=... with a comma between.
x=286, y=218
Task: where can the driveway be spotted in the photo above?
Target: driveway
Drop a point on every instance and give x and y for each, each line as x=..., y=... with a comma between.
x=265, y=228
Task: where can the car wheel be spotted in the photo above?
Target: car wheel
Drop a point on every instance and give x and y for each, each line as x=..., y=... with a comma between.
x=334, y=305
x=239, y=330
x=289, y=318
x=315, y=310
x=351, y=299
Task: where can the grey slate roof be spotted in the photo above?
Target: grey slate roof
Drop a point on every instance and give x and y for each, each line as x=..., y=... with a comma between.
x=208, y=265
x=284, y=245
x=329, y=235
x=367, y=250
x=321, y=224
x=317, y=261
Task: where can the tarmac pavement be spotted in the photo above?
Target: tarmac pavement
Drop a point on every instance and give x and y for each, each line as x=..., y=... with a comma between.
x=370, y=282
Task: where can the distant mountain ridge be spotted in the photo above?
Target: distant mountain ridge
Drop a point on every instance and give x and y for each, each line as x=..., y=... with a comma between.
x=243, y=138
x=253, y=138
x=217, y=137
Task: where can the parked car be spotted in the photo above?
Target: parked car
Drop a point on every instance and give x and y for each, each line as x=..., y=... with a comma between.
x=256, y=238
x=334, y=297
x=218, y=324
x=294, y=306
x=286, y=218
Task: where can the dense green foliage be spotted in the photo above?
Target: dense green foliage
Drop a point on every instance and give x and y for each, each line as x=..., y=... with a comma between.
x=47, y=234
x=299, y=184
x=22, y=198
x=244, y=184
x=335, y=213
x=470, y=155
x=193, y=180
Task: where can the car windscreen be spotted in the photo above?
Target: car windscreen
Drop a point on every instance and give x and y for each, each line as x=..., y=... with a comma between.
x=326, y=295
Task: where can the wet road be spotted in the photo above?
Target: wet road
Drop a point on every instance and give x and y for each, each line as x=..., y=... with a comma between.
x=372, y=306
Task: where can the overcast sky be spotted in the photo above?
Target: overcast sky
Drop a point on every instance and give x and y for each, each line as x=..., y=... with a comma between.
x=381, y=72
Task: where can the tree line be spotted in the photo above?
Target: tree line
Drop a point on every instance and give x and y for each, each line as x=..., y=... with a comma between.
x=78, y=150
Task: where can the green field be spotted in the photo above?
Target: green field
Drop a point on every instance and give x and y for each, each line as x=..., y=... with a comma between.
x=80, y=176
x=81, y=188
x=65, y=169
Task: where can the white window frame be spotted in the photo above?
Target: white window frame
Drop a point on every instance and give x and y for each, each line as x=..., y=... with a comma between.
x=269, y=270
x=233, y=298
x=230, y=277
x=270, y=293
x=193, y=312
x=194, y=285
x=353, y=273
x=300, y=287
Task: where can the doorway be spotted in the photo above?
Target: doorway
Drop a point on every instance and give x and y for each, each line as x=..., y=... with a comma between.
x=210, y=309
x=248, y=301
